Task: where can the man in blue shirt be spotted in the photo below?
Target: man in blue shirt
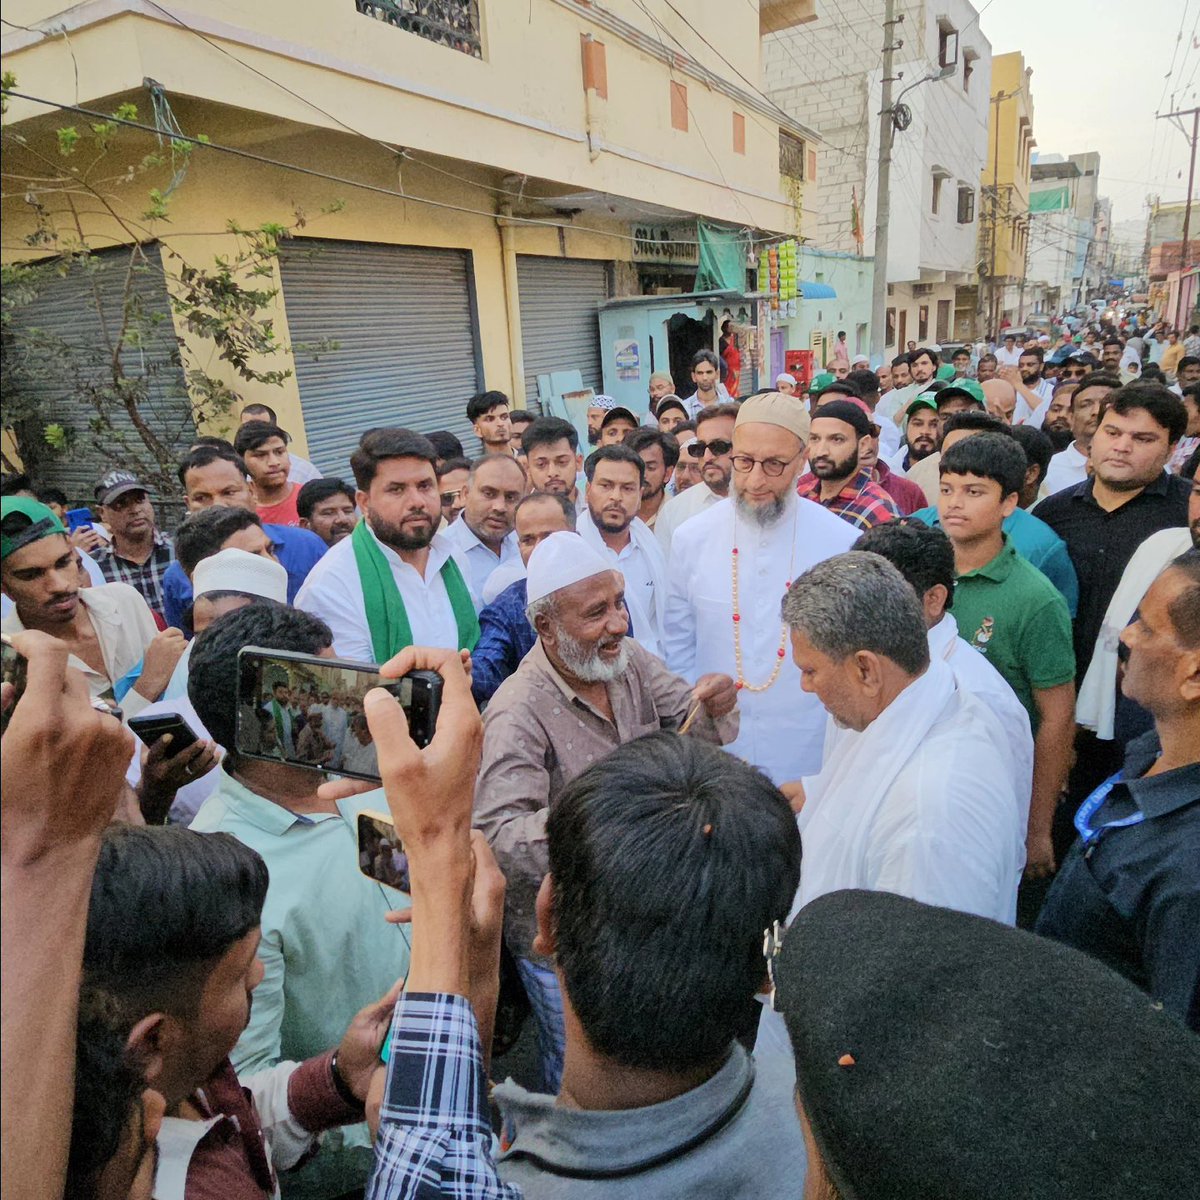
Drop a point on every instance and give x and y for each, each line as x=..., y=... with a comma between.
x=213, y=476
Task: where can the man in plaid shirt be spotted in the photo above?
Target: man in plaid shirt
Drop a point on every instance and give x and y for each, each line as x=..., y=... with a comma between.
x=837, y=479
x=139, y=554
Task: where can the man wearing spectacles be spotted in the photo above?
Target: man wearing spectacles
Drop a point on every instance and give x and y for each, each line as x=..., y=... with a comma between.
x=452, y=484
x=729, y=569
x=710, y=451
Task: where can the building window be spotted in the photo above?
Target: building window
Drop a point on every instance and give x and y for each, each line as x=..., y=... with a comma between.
x=791, y=155
x=903, y=342
x=451, y=23
x=922, y=324
x=947, y=44
x=889, y=337
x=969, y=58
x=679, y=107
x=966, y=205
x=937, y=192
x=943, y=321
x=739, y=134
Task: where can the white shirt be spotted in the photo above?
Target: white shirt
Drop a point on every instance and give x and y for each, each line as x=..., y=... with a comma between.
x=977, y=677
x=1008, y=358
x=681, y=508
x=644, y=566
x=889, y=438
x=334, y=593
x=694, y=404
x=1067, y=467
x=504, y=576
x=1034, y=414
x=302, y=471
x=781, y=729
x=481, y=560
x=189, y=797
x=357, y=757
x=892, y=403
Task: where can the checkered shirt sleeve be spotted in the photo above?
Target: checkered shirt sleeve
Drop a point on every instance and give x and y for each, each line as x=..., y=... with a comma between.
x=434, y=1136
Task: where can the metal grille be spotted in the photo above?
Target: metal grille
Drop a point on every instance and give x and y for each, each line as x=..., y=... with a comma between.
x=451, y=23
x=791, y=156
x=560, y=323
x=403, y=320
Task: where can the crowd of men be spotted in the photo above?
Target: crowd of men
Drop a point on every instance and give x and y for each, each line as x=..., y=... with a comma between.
x=765, y=723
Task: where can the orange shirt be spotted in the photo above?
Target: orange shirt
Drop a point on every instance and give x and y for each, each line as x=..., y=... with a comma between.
x=283, y=513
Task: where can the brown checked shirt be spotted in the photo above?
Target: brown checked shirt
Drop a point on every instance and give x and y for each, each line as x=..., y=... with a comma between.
x=538, y=735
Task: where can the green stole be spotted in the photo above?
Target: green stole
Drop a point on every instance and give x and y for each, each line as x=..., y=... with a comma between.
x=386, y=616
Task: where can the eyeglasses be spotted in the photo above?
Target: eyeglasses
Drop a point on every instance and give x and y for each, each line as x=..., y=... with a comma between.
x=718, y=446
x=449, y=498
x=1074, y=373
x=743, y=464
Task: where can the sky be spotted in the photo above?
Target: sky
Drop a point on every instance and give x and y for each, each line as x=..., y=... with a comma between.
x=1099, y=76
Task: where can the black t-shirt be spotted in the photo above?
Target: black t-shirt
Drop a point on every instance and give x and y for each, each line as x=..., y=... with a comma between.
x=1101, y=544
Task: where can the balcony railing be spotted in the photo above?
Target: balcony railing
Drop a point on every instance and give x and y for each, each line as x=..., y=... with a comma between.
x=451, y=23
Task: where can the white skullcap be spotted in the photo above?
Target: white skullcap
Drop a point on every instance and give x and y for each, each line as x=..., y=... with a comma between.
x=560, y=560
x=859, y=358
x=233, y=570
x=784, y=377
x=602, y=401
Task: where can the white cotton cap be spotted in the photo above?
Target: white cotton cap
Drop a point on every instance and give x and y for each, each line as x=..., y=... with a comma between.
x=562, y=559
x=233, y=570
x=859, y=358
x=786, y=378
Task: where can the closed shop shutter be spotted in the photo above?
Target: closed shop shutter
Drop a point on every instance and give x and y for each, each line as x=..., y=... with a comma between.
x=403, y=319
x=66, y=315
x=560, y=326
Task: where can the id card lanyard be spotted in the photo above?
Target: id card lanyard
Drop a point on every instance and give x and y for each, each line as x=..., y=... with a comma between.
x=1087, y=810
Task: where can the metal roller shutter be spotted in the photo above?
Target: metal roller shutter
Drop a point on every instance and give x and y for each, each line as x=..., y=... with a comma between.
x=65, y=313
x=560, y=328
x=403, y=318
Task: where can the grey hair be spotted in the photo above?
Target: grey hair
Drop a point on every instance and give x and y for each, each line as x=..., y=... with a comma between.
x=859, y=601
x=544, y=605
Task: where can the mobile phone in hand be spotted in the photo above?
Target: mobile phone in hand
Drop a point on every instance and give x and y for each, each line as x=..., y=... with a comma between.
x=151, y=728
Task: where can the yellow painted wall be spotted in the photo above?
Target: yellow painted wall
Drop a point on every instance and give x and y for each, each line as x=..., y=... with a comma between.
x=1010, y=159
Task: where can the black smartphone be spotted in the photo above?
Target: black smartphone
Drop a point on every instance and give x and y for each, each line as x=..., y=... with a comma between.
x=151, y=728
x=381, y=854
x=308, y=712
x=14, y=671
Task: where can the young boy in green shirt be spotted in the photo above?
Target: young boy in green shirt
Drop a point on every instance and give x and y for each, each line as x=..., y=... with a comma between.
x=1011, y=613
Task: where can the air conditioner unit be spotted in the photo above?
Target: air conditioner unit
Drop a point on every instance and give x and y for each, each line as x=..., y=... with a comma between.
x=922, y=289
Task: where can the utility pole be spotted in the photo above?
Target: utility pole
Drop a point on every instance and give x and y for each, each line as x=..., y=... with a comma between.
x=1194, y=113
x=883, y=205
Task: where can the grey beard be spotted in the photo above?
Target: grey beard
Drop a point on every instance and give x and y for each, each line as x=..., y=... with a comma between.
x=765, y=517
x=585, y=663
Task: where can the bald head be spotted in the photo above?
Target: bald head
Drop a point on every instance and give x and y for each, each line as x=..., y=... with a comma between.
x=1001, y=399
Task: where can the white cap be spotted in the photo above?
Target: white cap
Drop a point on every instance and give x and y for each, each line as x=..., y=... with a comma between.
x=784, y=377
x=860, y=358
x=232, y=570
x=560, y=560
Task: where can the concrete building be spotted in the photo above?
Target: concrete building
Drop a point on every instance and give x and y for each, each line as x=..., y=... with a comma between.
x=828, y=69
x=1172, y=266
x=473, y=189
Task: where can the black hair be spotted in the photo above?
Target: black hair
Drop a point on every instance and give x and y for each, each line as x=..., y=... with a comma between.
x=647, y=435
x=668, y=859
x=217, y=443
x=975, y=420
x=454, y=464
x=52, y=495
x=866, y=381
x=201, y=534
x=257, y=433
x=901, y=360
x=521, y=416
x=12, y=485
x=1096, y=379
x=1188, y=360
x=563, y=502
x=1033, y=352
x=1114, y=341
x=933, y=356
x=204, y=456
x=378, y=445
x=922, y=553
x=166, y=904
x=1038, y=447
x=1192, y=392
x=729, y=409
x=617, y=452
x=841, y=333
x=960, y=353
x=688, y=426
x=840, y=387
x=545, y=431
x=1184, y=610
x=213, y=665
x=989, y=357
x=187, y=622
x=446, y=444
x=1152, y=373
x=1165, y=408
x=317, y=491
x=705, y=356
x=482, y=403
x=268, y=412
x=497, y=456
x=990, y=456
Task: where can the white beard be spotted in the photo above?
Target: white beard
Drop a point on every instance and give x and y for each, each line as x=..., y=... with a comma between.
x=765, y=517
x=587, y=665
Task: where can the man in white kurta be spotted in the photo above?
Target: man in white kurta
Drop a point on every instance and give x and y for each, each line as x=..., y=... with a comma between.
x=714, y=438
x=777, y=536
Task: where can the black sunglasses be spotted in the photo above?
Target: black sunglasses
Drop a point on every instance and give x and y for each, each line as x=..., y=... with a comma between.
x=718, y=446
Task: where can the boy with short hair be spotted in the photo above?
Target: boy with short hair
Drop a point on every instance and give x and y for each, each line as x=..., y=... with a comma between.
x=488, y=413
x=1012, y=614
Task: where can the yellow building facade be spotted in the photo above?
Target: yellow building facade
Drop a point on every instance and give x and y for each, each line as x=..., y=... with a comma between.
x=468, y=191
x=1004, y=227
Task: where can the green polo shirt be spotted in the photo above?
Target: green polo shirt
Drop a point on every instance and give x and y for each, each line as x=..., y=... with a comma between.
x=1017, y=619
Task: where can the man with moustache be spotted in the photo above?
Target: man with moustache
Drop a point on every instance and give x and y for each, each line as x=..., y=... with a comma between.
x=584, y=689
x=1069, y=466
x=484, y=532
x=711, y=448
x=1000, y=399
x=921, y=432
x=1057, y=423
x=552, y=457
x=394, y=582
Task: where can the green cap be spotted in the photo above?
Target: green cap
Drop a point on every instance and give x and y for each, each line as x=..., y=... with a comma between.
x=945, y=371
x=924, y=400
x=42, y=523
x=963, y=387
x=824, y=379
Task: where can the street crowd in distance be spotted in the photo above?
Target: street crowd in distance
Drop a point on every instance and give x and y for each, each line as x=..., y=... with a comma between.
x=813, y=805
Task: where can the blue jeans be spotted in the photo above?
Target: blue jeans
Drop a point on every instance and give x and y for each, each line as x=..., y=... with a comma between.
x=541, y=986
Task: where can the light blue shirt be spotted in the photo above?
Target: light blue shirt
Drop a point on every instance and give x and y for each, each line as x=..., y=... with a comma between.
x=326, y=949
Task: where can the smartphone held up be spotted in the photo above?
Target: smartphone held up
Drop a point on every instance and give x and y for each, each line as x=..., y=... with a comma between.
x=308, y=711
